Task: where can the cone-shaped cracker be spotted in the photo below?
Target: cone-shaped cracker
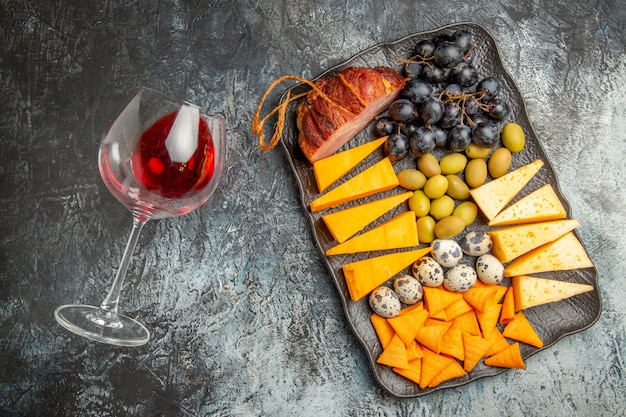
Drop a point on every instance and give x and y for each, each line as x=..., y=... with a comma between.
x=475, y=348
x=521, y=330
x=383, y=329
x=431, y=335
x=511, y=357
x=413, y=372
x=432, y=365
x=508, y=307
x=394, y=354
x=453, y=370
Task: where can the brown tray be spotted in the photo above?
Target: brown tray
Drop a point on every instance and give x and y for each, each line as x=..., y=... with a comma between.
x=552, y=322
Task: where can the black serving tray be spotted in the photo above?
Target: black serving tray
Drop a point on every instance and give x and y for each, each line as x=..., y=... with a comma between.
x=552, y=321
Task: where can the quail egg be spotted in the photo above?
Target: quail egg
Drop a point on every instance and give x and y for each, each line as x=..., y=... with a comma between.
x=385, y=302
x=489, y=269
x=428, y=272
x=408, y=289
x=460, y=278
x=447, y=252
x=476, y=243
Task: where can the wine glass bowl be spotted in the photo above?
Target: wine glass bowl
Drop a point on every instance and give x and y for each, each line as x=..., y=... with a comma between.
x=160, y=158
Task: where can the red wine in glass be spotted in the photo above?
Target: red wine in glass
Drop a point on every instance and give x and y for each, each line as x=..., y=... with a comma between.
x=160, y=158
x=154, y=168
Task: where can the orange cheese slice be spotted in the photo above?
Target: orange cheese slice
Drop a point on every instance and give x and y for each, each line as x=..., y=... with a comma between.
x=347, y=222
x=563, y=254
x=365, y=275
x=399, y=232
x=514, y=241
x=377, y=178
x=539, y=206
x=328, y=170
x=494, y=195
x=532, y=291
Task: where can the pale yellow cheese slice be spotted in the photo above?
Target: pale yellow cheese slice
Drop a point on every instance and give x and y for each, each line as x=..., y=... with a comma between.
x=328, y=170
x=365, y=275
x=563, y=254
x=399, y=232
x=532, y=291
x=494, y=195
x=377, y=178
x=539, y=206
x=347, y=222
x=513, y=241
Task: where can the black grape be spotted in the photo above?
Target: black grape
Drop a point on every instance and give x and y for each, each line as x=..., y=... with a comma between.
x=447, y=55
x=433, y=74
x=402, y=110
x=431, y=110
x=459, y=138
x=490, y=86
x=465, y=74
x=464, y=40
x=396, y=147
x=384, y=126
x=417, y=91
x=451, y=115
x=485, y=135
x=497, y=109
x=441, y=136
x=425, y=48
x=422, y=141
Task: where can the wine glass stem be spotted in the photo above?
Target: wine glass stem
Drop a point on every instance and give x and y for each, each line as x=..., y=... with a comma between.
x=108, y=307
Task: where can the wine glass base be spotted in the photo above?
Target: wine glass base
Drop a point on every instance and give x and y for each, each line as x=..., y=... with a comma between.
x=89, y=322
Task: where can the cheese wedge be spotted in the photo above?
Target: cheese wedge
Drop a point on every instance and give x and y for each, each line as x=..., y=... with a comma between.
x=328, y=170
x=494, y=195
x=377, y=178
x=513, y=241
x=346, y=223
x=365, y=275
x=532, y=291
x=399, y=232
x=539, y=206
x=565, y=253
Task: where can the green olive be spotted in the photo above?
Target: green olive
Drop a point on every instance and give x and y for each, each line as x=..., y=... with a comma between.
x=411, y=179
x=513, y=137
x=476, y=173
x=457, y=189
x=467, y=210
x=452, y=163
x=441, y=207
x=419, y=203
x=474, y=151
x=449, y=227
x=499, y=162
x=436, y=186
x=426, y=229
x=429, y=165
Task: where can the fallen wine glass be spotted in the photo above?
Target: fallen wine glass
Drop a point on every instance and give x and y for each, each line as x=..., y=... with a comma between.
x=161, y=158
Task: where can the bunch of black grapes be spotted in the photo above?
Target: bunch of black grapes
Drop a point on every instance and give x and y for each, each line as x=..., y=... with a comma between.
x=444, y=103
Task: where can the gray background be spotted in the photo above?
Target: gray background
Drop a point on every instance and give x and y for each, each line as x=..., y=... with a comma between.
x=245, y=318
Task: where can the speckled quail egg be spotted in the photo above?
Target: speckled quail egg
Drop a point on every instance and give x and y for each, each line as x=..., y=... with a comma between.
x=489, y=269
x=476, y=243
x=428, y=272
x=460, y=278
x=408, y=289
x=447, y=252
x=385, y=302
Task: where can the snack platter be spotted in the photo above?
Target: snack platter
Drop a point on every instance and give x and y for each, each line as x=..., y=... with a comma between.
x=551, y=321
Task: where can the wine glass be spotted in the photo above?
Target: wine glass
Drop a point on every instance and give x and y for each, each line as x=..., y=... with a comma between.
x=161, y=158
